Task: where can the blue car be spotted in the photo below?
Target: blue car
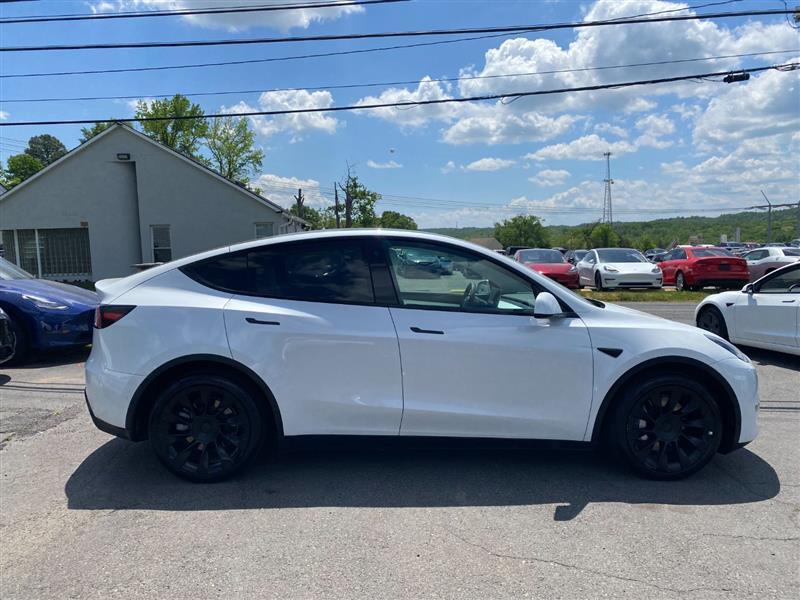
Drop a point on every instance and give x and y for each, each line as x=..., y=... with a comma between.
x=44, y=315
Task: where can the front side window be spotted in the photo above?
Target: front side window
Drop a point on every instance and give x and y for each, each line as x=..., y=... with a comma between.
x=433, y=276
x=162, y=243
x=782, y=283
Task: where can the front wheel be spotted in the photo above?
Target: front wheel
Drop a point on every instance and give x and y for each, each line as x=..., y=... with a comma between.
x=711, y=319
x=598, y=282
x=667, y=427
x=205, y=427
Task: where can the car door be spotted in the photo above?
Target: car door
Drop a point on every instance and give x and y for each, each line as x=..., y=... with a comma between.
x=770, y=313
x=586, y=268
x=308, y=325
x=476, y=362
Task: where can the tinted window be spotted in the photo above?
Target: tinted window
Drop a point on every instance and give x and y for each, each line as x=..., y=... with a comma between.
x=541, y=256
x=791, y=252
x=321, y=272
x=709, y=252
x=457, y=280
x=782, y=283
x=621, y=255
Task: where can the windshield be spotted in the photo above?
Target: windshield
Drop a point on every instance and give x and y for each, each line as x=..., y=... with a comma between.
x=541, y=256
x=11, y=271
x=621, y=255
x=709, y=252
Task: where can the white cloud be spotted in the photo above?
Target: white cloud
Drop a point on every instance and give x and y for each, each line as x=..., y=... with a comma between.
x=449, y=167
x=385, y=165
x=498, y=125
x=292, y=123
x=550, y=177
x=4, y=115
x=281, y=19
x=639, y=105
x=612, y=129
x=412, y=116
x=489, y=164
x=281, y=190
x=654, y=128
x=588, y=147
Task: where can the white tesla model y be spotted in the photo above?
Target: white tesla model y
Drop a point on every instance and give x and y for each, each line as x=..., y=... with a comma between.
x=328, y=333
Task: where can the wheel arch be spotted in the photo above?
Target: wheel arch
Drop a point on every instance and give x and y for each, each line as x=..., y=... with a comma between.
x=145, y=395
x=683, y=366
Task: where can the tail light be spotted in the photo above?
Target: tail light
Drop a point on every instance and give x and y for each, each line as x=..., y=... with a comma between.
x=109, y=314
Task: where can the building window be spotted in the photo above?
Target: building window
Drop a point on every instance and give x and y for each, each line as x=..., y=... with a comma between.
x=61, y=254
x=264, y=230
x=162, y=243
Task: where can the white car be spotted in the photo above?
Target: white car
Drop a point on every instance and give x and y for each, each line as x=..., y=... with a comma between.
x=765, y=260
x=764, y=314
x=320, y=334
x=606, y=268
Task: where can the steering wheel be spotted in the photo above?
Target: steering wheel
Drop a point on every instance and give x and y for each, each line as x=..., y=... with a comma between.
x=791, y=287
x=488, y=299
x=468, y=294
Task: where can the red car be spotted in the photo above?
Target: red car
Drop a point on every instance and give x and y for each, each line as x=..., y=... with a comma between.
x=691, y=267
x=551, y=263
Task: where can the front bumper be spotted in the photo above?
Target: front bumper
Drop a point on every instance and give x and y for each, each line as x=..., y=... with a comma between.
x=565, y=279
x=743, y=379
x=57, y=330
x=631, y=280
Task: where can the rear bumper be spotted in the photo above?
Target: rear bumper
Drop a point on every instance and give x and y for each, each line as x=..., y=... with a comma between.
x=736, y=281
x=120, y=432
x=109, y=394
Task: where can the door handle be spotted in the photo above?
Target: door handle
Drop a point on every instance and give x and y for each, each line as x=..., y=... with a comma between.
x=433, y=331
x=259, y=322
x=788, y=301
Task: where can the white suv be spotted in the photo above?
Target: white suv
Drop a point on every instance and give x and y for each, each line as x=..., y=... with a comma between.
x=345, y=333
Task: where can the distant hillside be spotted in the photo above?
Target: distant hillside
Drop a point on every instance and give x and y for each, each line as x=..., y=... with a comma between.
x=661, y=232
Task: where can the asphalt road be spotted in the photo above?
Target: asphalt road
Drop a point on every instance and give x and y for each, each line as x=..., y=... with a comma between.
x=83, y=515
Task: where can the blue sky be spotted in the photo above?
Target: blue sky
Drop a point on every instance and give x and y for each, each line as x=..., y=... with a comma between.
x=678, y=149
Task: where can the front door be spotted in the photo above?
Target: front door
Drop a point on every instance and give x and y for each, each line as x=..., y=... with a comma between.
x=475, y=360
x=770, y=313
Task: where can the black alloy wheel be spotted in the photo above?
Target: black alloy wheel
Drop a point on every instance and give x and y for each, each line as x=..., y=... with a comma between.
x=668, y=428
x=712, y=320
x=205, y=428
x=598, y=282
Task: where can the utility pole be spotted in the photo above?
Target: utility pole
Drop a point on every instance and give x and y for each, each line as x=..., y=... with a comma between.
x=299, y=199
x=608, y=215
x=336, y=205
x=769, y=217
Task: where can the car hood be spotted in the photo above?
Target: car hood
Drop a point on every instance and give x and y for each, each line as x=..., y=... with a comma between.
x=549, y=267
x=69, y=294
x=630, y=267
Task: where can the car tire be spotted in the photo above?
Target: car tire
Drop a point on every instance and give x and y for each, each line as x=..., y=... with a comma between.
x=22, y=346
x=205, y=428
x=710, y=319
x=598, y=282
x=680, y=282
x=667, y=427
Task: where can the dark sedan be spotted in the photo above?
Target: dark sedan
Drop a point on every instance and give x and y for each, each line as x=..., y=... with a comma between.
x=44, y=315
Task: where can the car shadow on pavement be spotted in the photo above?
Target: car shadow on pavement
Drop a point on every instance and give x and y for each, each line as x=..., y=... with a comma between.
x=122, y=475
x=773, y=359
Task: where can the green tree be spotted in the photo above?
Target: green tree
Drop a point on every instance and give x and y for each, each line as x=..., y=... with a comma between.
x=88, y=133
x=362, y=202
x=19, y=168
x=391, y=219
x=232, y=145
x=317, y=219
x=604, y=236
x=522, y=230
x=45, y=148
x=181, y=134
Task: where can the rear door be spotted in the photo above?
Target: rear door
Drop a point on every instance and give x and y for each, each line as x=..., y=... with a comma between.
x=770, y=313
x=306, y=322
x=475, y=360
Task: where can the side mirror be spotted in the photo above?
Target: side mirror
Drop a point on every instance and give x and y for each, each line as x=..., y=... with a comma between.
x=749, y=288
x=546, y=306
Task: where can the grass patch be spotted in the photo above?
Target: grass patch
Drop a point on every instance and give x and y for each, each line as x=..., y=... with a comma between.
x=667, y=295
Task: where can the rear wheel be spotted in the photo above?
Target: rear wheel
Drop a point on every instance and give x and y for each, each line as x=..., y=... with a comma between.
x=205, y=427
x=667, y=427
x=711, y=319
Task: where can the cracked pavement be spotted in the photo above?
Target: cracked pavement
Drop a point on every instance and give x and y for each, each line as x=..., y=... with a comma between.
x=84, y=515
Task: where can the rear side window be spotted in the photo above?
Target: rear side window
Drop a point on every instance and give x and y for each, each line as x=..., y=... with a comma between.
x=312, y=271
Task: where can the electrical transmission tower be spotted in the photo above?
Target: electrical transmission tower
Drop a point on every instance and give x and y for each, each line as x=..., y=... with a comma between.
x=608, y=214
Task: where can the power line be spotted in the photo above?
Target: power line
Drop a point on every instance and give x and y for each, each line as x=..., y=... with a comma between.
x=393, y=83
x=198, y=11
x=390, y=34
x=514, y=95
